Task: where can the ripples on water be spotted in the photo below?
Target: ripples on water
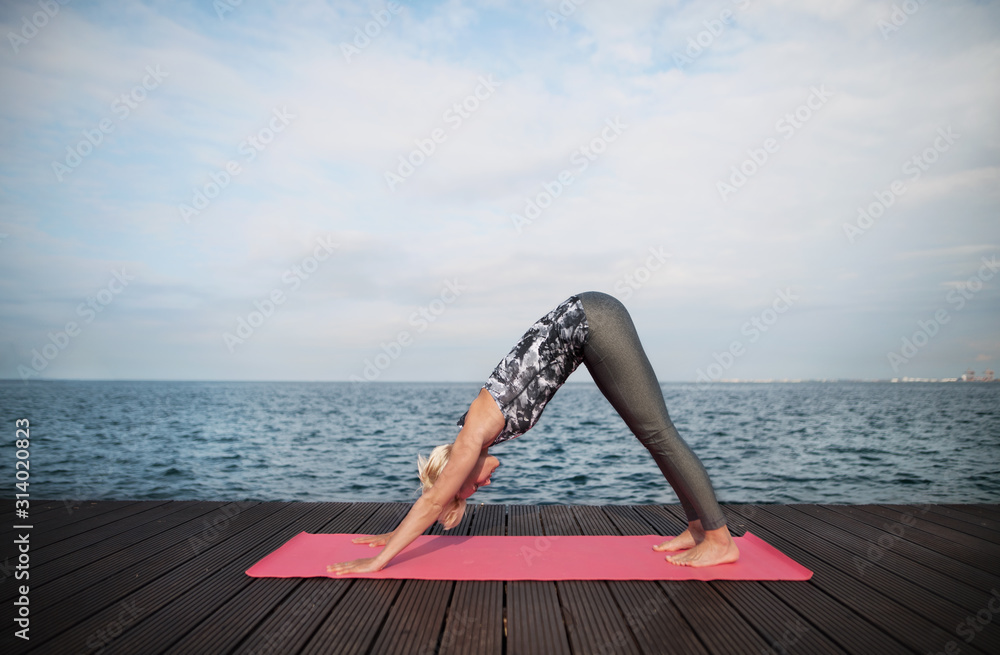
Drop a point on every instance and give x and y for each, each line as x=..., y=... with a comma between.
x=838, y=442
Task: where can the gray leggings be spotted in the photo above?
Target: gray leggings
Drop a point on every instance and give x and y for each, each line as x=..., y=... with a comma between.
x=617, y=362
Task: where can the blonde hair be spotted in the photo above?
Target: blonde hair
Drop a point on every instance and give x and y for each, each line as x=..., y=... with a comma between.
x=429, y=469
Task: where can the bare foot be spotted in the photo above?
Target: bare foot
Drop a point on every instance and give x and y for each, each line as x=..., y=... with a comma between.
x=716, y=547
x=691, y=537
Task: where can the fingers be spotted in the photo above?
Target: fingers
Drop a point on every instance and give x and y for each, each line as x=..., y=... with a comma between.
x=362, y=565
x=342, y=567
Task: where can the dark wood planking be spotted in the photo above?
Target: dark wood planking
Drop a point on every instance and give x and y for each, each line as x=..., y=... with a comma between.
x=168, y=539
x=76, y=519
x=778, y=623
x=985, y=530
x=887, y=547
x=953, y=543
x=918, y=547
x=232, y=621
x=101, y=558
x=716, y=622
x=534, y=618
x=837, y=620
x=988, y=513
x=216, y=584
x=147, y=586
x=417, y=616
x=355, y=621
x=833, y=571
x=109, y=547
x=594, y=622
x=294, y=619
x=54, y=514
x=475, y=622
x=933, y=598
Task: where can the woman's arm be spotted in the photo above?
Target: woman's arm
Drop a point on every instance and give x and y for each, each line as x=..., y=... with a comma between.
x=464, y=455
x=483, y=422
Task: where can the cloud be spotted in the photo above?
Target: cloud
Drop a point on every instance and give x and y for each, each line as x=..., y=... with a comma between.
x=499, y=146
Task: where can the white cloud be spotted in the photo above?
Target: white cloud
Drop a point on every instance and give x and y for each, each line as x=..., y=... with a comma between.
x=653, y=186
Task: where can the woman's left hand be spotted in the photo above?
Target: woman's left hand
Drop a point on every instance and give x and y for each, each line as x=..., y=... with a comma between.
x=363, y=565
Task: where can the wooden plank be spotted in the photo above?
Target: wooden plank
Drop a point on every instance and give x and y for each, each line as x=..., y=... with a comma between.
x=963, y=547
x=832, y=572
x=475, y=622
x=418, y=614
x=656, y=623
x=139, y=584
x=988, y=513
x=716, y=623
x=112, y=543
x=971, y=513
x=54, y=514
x=356, y=620
x=892, y=575
x=82, y=519
x=958, y=521
x=652, y=616
x=230, y=622
x=125, y=600
x=915, y=546
x=778, y=622
x=415, y=620
x=534, y=619
x=215, y=583
x=594, y=623
x=97, y=520
x=70, y=576
x=836, y=620
x=293, y=620
x=888, y=547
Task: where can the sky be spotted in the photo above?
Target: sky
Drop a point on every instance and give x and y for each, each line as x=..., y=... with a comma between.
x=387, y=191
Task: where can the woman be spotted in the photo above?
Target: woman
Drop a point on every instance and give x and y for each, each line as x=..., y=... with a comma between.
x=596, y=329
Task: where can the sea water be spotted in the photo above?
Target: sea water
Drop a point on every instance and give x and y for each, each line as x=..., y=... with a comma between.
x=813, y=442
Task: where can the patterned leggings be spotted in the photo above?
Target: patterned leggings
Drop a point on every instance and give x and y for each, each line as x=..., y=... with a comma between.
x=596, y=329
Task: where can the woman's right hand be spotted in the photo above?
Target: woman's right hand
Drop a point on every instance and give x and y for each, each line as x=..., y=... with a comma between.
x=374, y=540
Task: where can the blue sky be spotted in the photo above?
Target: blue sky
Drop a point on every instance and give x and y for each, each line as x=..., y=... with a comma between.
x=270, y=193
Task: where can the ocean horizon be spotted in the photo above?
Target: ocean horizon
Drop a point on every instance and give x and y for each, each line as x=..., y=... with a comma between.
x=830, y=442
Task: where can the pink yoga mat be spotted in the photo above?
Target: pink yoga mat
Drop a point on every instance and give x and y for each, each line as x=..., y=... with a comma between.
x=571, y=557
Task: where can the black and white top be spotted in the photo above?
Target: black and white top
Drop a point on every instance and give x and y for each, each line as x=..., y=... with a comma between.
x=526, y=379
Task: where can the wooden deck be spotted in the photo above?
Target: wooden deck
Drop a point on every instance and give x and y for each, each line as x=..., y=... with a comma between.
x=168, y=577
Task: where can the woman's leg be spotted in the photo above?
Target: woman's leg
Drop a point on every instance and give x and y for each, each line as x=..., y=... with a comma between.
x=617, y=362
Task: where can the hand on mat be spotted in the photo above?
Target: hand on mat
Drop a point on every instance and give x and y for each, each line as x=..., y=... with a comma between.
x=363, y=565
x=373, y=539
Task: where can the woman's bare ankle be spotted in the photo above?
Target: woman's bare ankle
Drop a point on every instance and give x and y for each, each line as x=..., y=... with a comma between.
x=720, y=535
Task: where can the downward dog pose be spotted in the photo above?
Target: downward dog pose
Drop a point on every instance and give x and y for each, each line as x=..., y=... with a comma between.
x=596, y=329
